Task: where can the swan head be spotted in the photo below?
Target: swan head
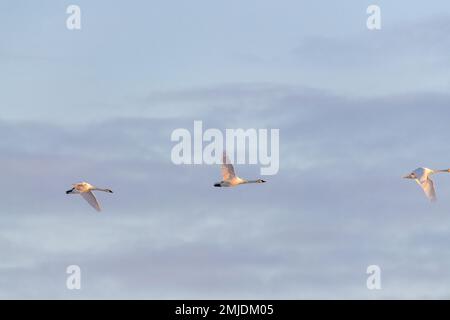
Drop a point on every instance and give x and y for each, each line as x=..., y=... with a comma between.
x=261, y=181
x=412, y=175
x=109, y=190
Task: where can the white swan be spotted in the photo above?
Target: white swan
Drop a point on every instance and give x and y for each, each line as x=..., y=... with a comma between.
x=229, y=177
x=85, y=190
x=422, y=177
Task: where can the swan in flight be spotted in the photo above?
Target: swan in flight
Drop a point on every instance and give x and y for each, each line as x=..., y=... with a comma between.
x=85, y=190
x=422, y=177
x=229, y=177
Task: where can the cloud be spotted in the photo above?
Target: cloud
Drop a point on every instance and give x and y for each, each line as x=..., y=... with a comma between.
x=391, y=46
x=337, y=205
x=407, y=57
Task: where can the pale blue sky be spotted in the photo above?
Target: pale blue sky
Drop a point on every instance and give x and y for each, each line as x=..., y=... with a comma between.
x=126, y=52
x=356, y=110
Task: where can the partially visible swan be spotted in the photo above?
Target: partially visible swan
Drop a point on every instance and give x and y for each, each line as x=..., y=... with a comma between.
x=85, y=190
x=229, y=177
x=422, y=177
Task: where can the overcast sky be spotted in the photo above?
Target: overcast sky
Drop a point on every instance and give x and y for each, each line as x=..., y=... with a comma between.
x=356, y=109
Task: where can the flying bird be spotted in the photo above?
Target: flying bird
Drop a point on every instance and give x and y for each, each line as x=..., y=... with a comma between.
x=85, y=190
x=422, y=177
x=229, y=177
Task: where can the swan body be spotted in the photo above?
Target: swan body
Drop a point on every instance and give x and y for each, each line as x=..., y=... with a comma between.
x=229, y=176
x=422, y=177
x=85, y=190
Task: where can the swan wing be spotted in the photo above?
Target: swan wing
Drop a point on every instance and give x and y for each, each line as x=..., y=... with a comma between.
x=89, y=197
x=227, y=168
x=428, y=187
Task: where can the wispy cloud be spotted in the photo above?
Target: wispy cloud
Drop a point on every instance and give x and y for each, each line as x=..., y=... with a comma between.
x=248, y=242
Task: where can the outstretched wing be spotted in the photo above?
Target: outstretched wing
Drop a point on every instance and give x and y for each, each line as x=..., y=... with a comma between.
x=428, y=187
x=227, y=168
x=89, y=197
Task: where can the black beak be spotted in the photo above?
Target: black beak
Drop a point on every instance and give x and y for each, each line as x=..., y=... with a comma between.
x=217, y=185
x=69, y=191
x=263, y=181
